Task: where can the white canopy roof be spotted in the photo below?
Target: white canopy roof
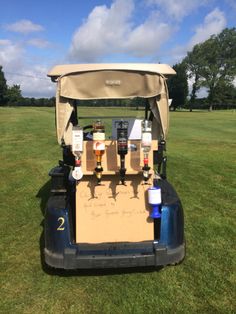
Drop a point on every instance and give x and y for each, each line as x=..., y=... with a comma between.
x=60, y=70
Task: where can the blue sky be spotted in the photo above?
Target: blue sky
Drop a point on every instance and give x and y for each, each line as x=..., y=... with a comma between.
x=35, y=35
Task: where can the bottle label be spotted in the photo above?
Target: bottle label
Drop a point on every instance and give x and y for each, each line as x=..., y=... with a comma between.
x=146, y=139
x=77, y=140
x=99, y=136
x=98, y=145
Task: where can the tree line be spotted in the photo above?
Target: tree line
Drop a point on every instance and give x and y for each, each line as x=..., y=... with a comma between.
x=210, y=65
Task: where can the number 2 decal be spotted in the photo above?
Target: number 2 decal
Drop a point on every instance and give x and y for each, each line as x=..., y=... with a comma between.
x=61, y=223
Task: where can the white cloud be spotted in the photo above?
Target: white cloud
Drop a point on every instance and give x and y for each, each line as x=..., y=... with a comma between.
x=202, y=92
x=10, y=54
x=39, y=43
x=31, y=78
x=33, y=81
x=102, y=32
x=147, y=38
x=213, y=24
x=110, y=30
x=4, y=42
x=24, y=27
x=177, y=9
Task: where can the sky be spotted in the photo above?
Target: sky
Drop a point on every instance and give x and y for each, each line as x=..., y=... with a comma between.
x=36, y=35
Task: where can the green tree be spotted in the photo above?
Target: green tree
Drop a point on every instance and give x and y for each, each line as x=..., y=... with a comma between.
x=194, y=63
x=3, y=87
x=13, y=95
x=225, y=95
x=213, y=63
x=178, y=86
x=220, y=62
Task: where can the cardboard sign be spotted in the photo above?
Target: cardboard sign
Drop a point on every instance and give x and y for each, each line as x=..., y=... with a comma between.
x=113, y=212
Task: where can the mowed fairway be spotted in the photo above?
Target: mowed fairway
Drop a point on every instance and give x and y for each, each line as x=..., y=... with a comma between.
x=201, y=166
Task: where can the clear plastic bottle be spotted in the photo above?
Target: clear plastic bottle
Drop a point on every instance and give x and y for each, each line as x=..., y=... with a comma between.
x=77, y=150
x=146, y=141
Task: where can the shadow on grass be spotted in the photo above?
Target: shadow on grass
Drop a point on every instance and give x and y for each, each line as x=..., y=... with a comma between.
x=97, y=272
x=44, y=194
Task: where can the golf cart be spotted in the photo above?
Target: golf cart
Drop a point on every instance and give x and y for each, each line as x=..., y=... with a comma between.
x=111, y=205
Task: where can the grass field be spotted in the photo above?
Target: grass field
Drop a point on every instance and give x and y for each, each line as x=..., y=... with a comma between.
x=201, y=166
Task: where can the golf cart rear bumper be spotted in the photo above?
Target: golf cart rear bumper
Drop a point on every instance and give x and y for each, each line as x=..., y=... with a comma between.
x=72, y=260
